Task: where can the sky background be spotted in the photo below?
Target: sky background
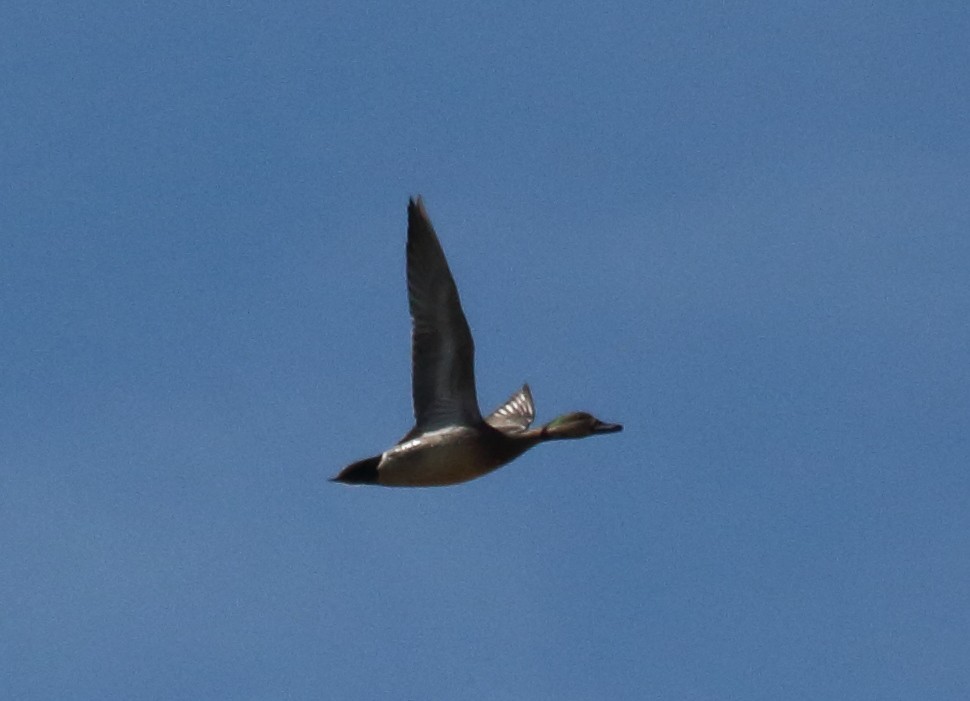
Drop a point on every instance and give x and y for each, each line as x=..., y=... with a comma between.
x=742, y=230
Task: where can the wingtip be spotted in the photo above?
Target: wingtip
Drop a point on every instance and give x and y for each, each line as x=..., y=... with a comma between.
x=417, y=214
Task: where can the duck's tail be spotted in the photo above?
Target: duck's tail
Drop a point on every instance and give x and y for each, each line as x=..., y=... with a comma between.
x=361, y=472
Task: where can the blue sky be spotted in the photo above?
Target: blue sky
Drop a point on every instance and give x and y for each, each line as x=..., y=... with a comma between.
x=742, y=231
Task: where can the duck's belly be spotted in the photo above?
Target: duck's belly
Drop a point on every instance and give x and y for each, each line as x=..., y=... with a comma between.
x=435, y=465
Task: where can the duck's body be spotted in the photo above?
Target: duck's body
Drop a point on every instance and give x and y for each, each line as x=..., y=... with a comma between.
x=439, y=458
x=447, y=456
x=451, y=442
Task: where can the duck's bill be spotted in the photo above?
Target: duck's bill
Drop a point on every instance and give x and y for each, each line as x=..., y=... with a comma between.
x=603, y=427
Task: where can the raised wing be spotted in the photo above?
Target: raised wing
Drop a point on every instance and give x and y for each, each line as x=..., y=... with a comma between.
x=516, y=414
x=442, y=350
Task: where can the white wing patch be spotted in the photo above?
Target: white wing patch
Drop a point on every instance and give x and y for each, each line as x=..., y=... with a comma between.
x=516, y=414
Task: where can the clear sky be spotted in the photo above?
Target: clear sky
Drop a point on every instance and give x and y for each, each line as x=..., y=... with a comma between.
x=740, y=229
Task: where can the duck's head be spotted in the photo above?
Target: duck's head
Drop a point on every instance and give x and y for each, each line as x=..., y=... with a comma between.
x=577, y=424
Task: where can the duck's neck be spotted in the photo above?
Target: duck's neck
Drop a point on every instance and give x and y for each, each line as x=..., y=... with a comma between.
x=549, y=432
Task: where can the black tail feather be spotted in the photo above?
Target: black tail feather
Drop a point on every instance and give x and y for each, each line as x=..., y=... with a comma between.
x=361, y=472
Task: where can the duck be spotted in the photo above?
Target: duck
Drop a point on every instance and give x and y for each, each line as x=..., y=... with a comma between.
x=450, y=442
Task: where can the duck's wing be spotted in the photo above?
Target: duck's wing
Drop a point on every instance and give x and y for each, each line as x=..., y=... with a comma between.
x=516, y=414
x=442, y=351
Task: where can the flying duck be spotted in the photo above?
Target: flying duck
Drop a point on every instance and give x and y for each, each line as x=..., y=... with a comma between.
x=451, y=442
